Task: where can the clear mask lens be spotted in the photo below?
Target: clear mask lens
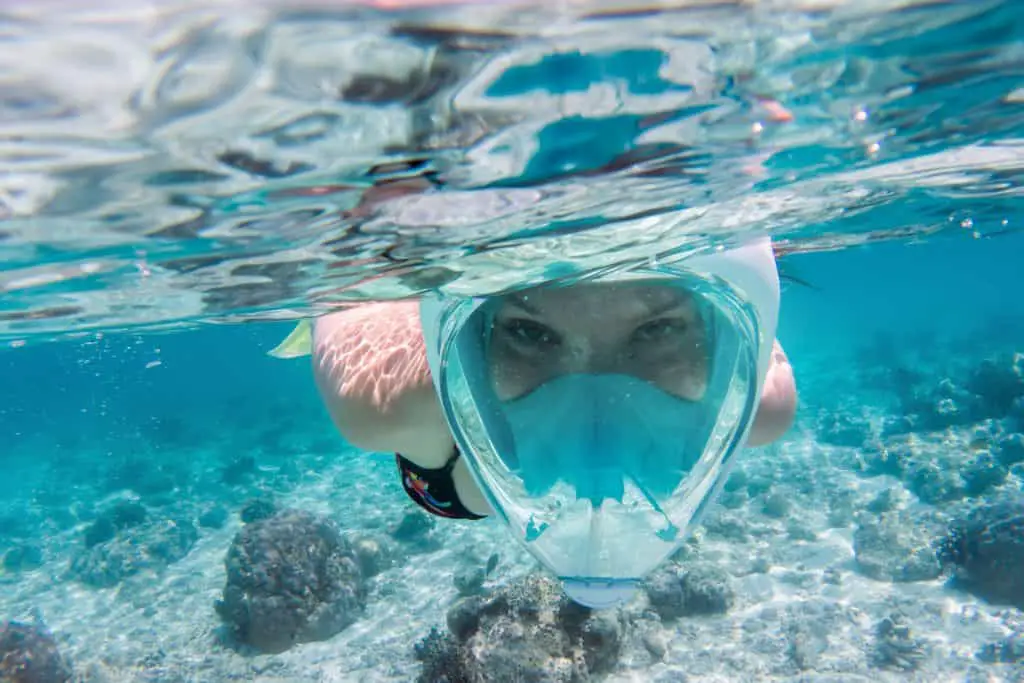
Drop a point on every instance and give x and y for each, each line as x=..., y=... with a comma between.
x=599, y=418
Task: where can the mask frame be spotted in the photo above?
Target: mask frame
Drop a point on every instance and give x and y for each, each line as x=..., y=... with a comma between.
x=448, y=318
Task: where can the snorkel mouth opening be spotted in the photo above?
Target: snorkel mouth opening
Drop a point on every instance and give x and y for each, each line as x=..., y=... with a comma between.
x=600, y=593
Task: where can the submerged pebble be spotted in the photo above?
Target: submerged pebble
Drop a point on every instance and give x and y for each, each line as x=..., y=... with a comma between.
x=895, y=547
x=887, y=500
x=1011, y=449
x=679, y=590
x=256, y=509
x=150, y=546
x=374, y=553
x=172, y=540
x=23, y=557
x=415, y=532
x=934, y=482
x=470, y=580
x=214, y=518
x=123, y=515
x=655, y=641
x=895, y=645
x=806, y=644
x=1006, y=651
x=983, y=474
x=777, y=506
x=107, y=564
x=413, y=525
x=843, y=430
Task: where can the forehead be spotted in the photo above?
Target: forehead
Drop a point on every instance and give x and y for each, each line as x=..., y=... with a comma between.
x=604, y=300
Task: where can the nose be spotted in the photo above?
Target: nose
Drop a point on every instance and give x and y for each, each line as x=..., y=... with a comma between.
x=594, y=357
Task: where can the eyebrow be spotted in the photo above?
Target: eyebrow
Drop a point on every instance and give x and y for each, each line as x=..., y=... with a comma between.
x=519, y=301
x=668, y=307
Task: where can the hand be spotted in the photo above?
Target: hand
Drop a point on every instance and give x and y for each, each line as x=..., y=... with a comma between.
x=777, y=409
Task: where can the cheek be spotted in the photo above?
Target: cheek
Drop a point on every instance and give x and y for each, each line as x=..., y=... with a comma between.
x=687, y=380
x=505, y=383
x=510, y=378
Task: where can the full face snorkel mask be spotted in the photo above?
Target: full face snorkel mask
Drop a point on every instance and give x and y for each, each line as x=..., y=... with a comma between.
x=600, y=418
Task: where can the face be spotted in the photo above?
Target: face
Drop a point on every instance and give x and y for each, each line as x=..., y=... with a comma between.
x=652, y=332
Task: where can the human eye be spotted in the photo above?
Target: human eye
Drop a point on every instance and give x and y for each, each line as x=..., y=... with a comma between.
x=660, y=329
x=524, y=332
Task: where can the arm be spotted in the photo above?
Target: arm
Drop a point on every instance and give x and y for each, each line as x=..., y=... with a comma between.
x=370, y=367
x=777, y=409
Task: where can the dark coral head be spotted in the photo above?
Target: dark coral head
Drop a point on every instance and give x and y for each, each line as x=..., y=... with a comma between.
x=952, y=549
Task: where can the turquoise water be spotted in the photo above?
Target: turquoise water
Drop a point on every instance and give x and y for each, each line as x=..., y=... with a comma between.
x=180, y=182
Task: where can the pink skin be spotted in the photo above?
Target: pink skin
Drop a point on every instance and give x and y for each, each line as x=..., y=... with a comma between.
x=653, y=333
x=371, y=370
x=777, y=408
x=370, y=366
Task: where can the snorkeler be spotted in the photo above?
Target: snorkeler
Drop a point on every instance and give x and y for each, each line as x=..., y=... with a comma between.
x=371, y=369
x=596, y=418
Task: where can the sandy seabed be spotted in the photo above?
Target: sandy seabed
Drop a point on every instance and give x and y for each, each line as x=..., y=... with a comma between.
x=803, y=609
